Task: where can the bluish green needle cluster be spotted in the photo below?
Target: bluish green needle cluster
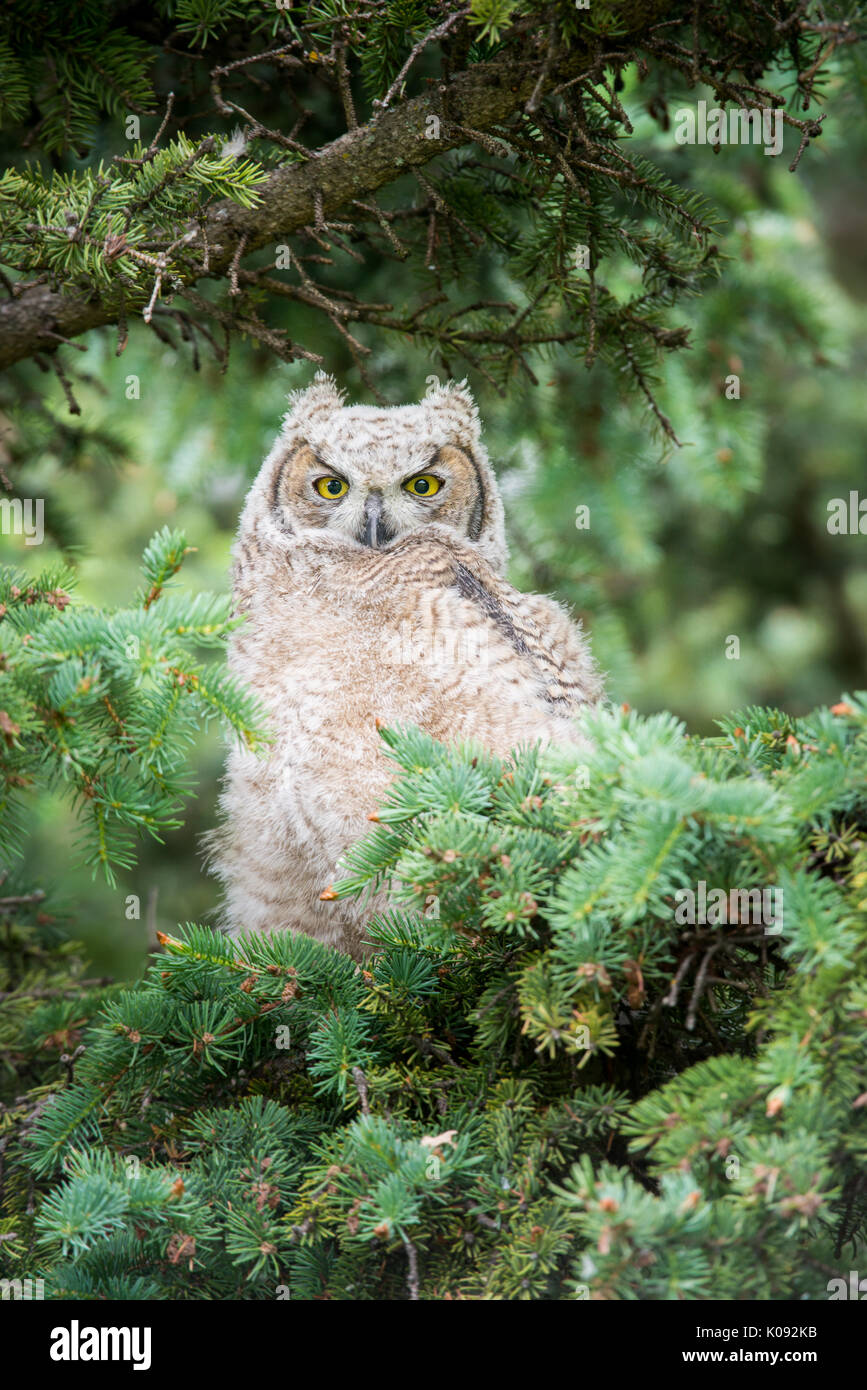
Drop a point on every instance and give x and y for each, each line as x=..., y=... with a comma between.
x=106, y=703
x=544, y=1082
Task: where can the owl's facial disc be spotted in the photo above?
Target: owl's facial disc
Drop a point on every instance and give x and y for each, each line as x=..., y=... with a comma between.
x=379, y=491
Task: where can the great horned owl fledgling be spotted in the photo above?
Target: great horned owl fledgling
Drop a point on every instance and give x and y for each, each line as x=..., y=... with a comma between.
x=370, y=565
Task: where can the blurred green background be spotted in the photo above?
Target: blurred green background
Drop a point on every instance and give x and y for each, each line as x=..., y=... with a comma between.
x=686, y=548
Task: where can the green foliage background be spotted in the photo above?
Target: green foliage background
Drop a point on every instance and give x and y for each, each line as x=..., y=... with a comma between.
x=551, y=1087
x=724, y=536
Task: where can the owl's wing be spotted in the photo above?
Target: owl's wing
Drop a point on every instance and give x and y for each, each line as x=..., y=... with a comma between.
x=564, y=636
x=539, y=629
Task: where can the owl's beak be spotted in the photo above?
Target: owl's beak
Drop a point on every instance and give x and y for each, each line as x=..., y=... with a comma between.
x=376, y=531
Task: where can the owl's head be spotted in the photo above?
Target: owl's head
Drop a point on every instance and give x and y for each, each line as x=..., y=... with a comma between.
x=369, y=475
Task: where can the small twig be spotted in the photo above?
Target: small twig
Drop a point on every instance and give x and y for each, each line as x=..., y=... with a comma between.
x=234, y=288
x=256, y=129
x=154, y=144
x=148, y=311
x=698, y=988
x=533, y=103
x=807, y=135
x=72, y=403
x=171, y=175
x=438, y=33
x=345, y=89
x=483, y=1219
x=670, y=998
x=487, y=142
x=275, y=339
x=397, y=246
x=69, y=1060
x=648, y=394
x=442, y=206
x=412, y=1274
x=37, y=896
x=153, y=148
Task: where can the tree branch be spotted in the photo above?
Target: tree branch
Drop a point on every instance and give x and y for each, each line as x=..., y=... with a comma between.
x=352, y=167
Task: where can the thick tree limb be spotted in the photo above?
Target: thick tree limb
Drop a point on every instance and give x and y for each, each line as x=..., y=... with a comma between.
x=354, y=166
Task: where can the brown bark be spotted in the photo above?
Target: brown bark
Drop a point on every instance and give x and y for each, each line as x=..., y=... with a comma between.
x=356, y=165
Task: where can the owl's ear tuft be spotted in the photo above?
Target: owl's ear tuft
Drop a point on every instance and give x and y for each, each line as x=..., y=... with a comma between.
x=321, y=398
x=455, y=400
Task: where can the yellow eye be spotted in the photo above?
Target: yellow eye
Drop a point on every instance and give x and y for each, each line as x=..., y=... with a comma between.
x=331, y=488
x=423, y=485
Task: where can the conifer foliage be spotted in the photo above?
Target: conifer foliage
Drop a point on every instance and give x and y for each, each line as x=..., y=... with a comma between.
x=107, y=702
x=496, y=133
x=547, y=1081
x=608, y=1039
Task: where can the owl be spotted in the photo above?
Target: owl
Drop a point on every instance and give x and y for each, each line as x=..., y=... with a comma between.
x=370, y=568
